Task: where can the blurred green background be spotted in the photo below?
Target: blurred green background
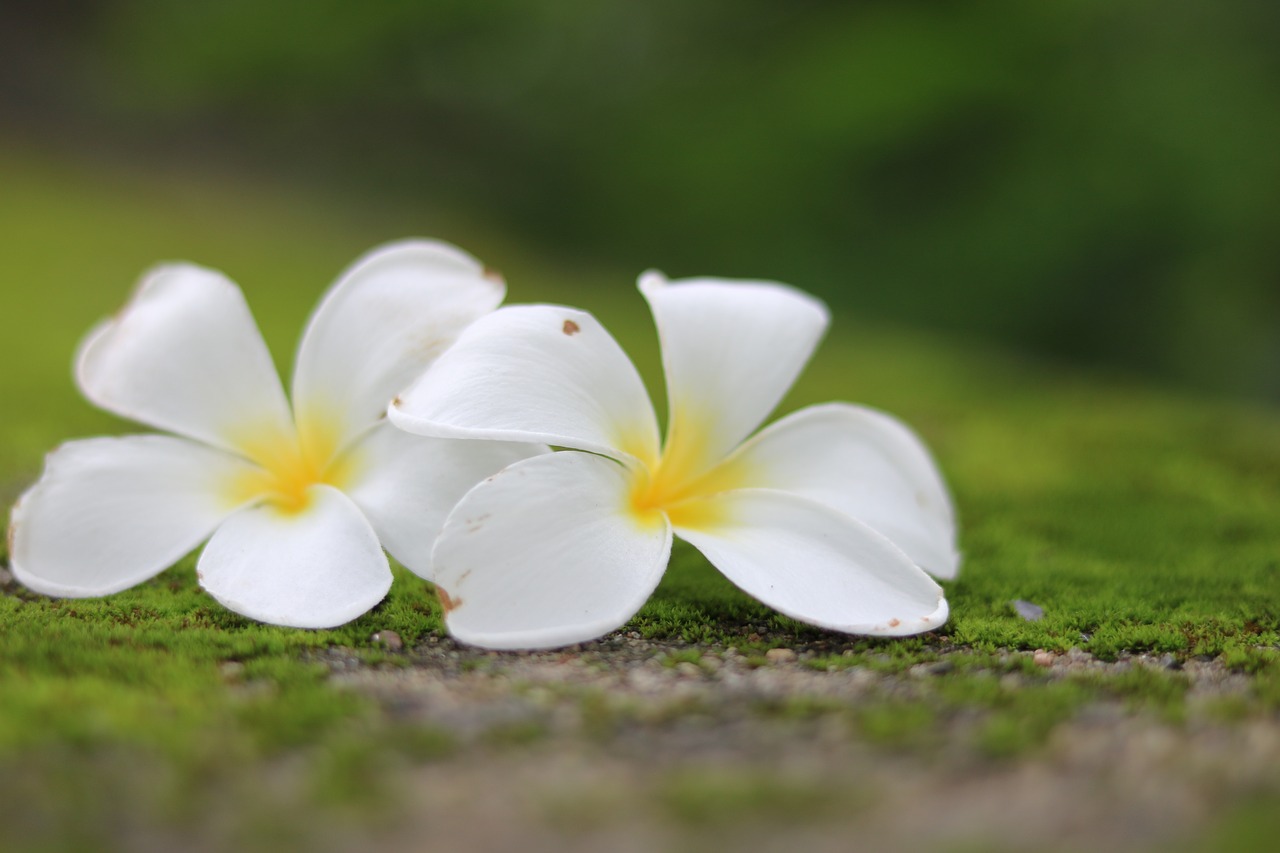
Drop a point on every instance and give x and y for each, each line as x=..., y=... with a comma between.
x=1093, y=181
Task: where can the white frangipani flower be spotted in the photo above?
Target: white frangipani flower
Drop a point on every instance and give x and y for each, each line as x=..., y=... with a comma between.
x=827, y=515
x=299, y=502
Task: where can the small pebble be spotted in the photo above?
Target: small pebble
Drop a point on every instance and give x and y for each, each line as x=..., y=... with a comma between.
x=1078, y=655
x=1043, y=658
x=231, y=670
x=1027, y=610
x=390, y=639
x=689, y=669
x=6, y=577
x=780, y=656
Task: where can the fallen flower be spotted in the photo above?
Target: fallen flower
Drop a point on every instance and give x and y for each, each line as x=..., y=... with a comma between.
x=299, y=503
x=826, y=515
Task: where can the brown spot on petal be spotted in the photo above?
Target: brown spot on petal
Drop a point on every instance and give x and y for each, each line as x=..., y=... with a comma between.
x=493, y=275
x=571, y=328
x=449, y=603
x=396, y=401
x=894, y=623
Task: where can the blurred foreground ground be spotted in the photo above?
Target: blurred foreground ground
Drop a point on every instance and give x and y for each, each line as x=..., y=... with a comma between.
x=634, y=746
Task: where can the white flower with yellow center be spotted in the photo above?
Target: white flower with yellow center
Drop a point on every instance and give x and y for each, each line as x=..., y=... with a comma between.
x=299, y=502
x=827, y=515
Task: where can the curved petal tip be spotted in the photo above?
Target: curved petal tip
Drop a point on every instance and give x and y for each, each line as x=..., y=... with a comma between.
x=909, y=625
x=651, y=280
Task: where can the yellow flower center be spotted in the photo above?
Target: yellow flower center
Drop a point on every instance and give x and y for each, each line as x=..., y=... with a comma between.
x=674, y=484
x=289, y=465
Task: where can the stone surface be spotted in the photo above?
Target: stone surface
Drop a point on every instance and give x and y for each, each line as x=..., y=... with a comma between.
x=624, y=735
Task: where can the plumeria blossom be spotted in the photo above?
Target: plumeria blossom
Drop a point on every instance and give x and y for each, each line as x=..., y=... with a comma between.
x=299, y=501
x=828, y=515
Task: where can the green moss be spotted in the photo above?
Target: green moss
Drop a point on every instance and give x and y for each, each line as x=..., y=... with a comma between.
x=1267, y=688
x=1143, y=689
x=150, y=665
x=997, y=707
x=356, y=771
x=799, y=707
x=711, y=799
x=1250, y=659
x=601, y=717
x=1023, y=720
x=678, y=656
x=899, y=723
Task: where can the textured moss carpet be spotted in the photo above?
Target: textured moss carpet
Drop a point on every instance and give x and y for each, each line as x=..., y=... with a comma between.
x=1141, y=520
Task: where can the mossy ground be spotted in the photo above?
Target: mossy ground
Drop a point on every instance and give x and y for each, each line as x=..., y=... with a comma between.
x=1143, y=521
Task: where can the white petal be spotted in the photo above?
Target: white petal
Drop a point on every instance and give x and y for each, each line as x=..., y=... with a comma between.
x=731, y=350
x=109, y=513
x=535, y=373
x=813, y=563
x=388, y=316
x=407, y=484
x=316, y=568
x=546, y=554
x=864, y=463
x=185, y=356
